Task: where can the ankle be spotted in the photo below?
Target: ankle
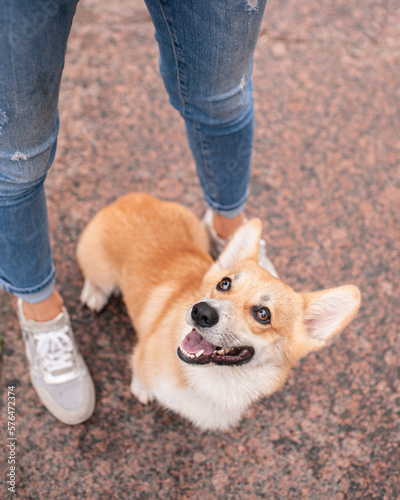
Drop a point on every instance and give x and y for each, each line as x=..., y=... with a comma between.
x=225, y=227
x=46, y=310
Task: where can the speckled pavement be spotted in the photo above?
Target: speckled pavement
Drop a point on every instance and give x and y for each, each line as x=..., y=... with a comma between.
x=326, y=183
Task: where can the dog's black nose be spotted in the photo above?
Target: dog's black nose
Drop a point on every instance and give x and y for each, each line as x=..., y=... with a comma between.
x=204, y=315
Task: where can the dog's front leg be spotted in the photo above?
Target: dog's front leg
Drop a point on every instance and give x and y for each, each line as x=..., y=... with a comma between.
x=140, y=391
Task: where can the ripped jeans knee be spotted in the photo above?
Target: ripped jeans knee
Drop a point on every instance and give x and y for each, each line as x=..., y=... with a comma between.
x=23, y=170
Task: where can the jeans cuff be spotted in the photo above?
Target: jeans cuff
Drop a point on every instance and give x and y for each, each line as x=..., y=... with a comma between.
x=230, y=211
x=34, y=294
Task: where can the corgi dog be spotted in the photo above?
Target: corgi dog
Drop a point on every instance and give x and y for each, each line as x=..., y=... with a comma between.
x=212, y=337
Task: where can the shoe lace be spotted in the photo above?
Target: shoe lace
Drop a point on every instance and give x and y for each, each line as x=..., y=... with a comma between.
x=55, y=350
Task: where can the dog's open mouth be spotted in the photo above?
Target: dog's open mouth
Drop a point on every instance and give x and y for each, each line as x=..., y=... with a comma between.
x=195, y=349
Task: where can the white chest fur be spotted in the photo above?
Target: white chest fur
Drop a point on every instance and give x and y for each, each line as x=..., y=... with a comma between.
x=216, y=396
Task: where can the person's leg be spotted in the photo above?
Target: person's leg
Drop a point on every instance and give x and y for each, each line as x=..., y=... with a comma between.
x=33, y=38
x=206, y=51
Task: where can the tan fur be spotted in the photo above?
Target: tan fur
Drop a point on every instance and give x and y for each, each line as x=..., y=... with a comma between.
x=156, y=253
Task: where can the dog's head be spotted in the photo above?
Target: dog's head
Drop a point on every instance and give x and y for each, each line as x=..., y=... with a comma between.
x=249, y=316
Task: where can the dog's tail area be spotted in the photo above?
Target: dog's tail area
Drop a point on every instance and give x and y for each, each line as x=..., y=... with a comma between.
x=196, y=232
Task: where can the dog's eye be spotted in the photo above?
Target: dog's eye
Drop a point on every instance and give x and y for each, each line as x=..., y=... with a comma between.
x=224, y=285
x=262, y=315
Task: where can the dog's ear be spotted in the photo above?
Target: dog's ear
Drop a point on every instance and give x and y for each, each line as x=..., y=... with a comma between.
x=327, y=312
x=243, y=245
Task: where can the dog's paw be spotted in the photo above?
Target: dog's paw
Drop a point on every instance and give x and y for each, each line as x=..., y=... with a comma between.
x=95, y=297
x=140, y=391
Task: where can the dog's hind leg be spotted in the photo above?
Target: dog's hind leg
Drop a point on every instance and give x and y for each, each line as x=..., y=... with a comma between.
x=96, y=297
x=100, y=279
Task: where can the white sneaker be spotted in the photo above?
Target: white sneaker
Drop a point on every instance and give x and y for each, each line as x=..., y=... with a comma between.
x=58, y=371
x=217, y=244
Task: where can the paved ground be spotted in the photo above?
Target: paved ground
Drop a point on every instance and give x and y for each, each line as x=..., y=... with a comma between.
x=326, y=181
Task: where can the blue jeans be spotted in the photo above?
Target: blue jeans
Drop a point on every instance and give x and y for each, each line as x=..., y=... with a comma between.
x=206, y=50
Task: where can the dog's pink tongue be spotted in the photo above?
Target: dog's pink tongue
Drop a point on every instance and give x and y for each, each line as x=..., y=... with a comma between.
x=194, y=342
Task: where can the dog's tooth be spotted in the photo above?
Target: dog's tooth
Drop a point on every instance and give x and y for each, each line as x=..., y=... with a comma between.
x=221, y=351
x=187, y=353
x=198, y=354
